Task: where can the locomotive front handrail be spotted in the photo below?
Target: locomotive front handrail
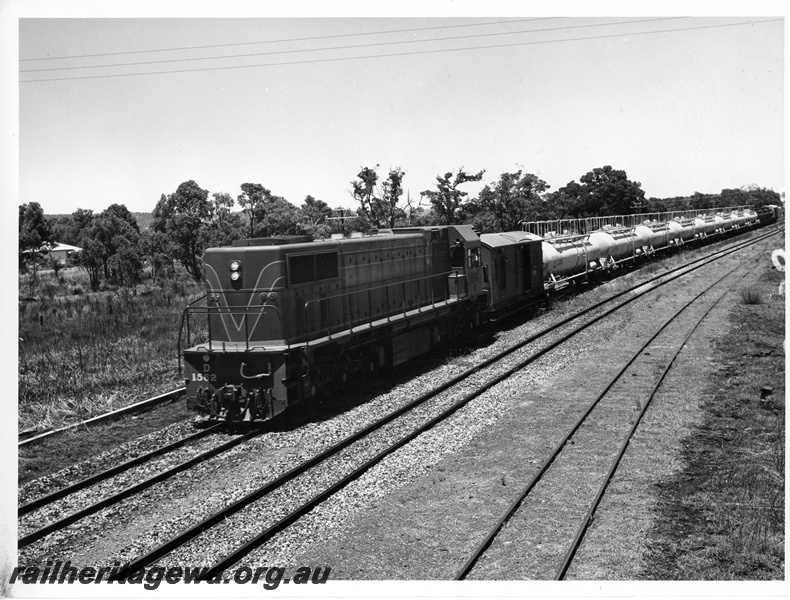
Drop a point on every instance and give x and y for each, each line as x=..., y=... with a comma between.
x=185, y=316
x=244, y=311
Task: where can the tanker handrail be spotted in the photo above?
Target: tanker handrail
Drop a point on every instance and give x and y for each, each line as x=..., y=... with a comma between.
x=561, y=228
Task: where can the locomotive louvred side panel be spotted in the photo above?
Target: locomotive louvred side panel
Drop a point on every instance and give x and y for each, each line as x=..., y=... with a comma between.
x=313, y=283
x=384, y=275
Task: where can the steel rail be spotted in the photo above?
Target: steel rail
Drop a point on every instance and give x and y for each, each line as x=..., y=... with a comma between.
x=306, y=507
x=514, y=506
x=134, y=489
x=110, y=416
x=106, y=474
x=221, y=515
x=571, y=553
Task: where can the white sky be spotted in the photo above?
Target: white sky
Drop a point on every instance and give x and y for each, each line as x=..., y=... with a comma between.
x=681, y=111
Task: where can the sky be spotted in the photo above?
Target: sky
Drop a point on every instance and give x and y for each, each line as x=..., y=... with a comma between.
x=300, y=102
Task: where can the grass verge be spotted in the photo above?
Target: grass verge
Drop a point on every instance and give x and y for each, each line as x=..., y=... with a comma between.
x=722, y=516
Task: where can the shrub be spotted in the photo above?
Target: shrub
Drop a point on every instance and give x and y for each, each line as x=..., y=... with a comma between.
x=751, y=296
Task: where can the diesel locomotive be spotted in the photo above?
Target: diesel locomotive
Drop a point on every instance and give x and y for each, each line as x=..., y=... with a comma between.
x=285, y=318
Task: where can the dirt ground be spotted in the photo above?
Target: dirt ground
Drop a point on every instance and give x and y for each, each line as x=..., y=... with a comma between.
x=660, y=518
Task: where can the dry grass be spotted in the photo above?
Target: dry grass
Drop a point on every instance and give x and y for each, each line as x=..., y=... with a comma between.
x=85, y=353
x=730, y=496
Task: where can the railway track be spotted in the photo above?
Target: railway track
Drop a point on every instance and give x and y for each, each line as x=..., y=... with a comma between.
x=29, y=438
x=239, y=505
x=154, y=555
x=125, y=493
x=607, y=407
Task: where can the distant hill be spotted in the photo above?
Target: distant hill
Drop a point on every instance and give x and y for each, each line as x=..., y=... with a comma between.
x=144, y=219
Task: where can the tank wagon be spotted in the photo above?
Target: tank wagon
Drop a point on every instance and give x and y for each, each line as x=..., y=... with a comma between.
x=285, y=318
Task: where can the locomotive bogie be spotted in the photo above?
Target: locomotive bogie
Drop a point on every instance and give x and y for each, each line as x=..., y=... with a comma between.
x=239, y=385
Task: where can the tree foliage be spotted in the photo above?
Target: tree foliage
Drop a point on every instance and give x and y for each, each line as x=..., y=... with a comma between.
x=314, y=218
x=110, y=242
x=379, y=202
x=447, y=199
x=253, y=200
x=223, y=226
x=267, y=215
x=186, y=222
x=516, y=197
x=90, y=259
x=602, y=191
x=35, y=234
x=747, y=195
x=115, y=228
x=181, y=216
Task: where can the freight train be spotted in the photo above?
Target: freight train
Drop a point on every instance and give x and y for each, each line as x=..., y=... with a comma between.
x=284, y=319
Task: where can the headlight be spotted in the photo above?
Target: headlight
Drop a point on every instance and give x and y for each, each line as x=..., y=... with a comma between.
x=235, y=265
x=235, y=275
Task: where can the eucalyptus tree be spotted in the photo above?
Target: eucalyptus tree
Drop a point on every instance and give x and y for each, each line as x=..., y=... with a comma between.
x=447, y=200
x=182, y=216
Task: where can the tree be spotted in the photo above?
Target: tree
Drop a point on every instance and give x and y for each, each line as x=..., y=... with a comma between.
x=447, y=199
x=267, y=215
x=759, y=197
x=224, y=226
x=513, y=199
x=313, y=218
x=182, y=216
x=154, y=247
x=364, y=192
x=379, y=202
x=391, y=191
x=35, y=234
x=280, y=218
x=556, y=205
x=750, y=195
x=115, y=227
x=126, y=262
x=90, y=259
x=71, y=229
x=603, y=191
x=253, y=200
